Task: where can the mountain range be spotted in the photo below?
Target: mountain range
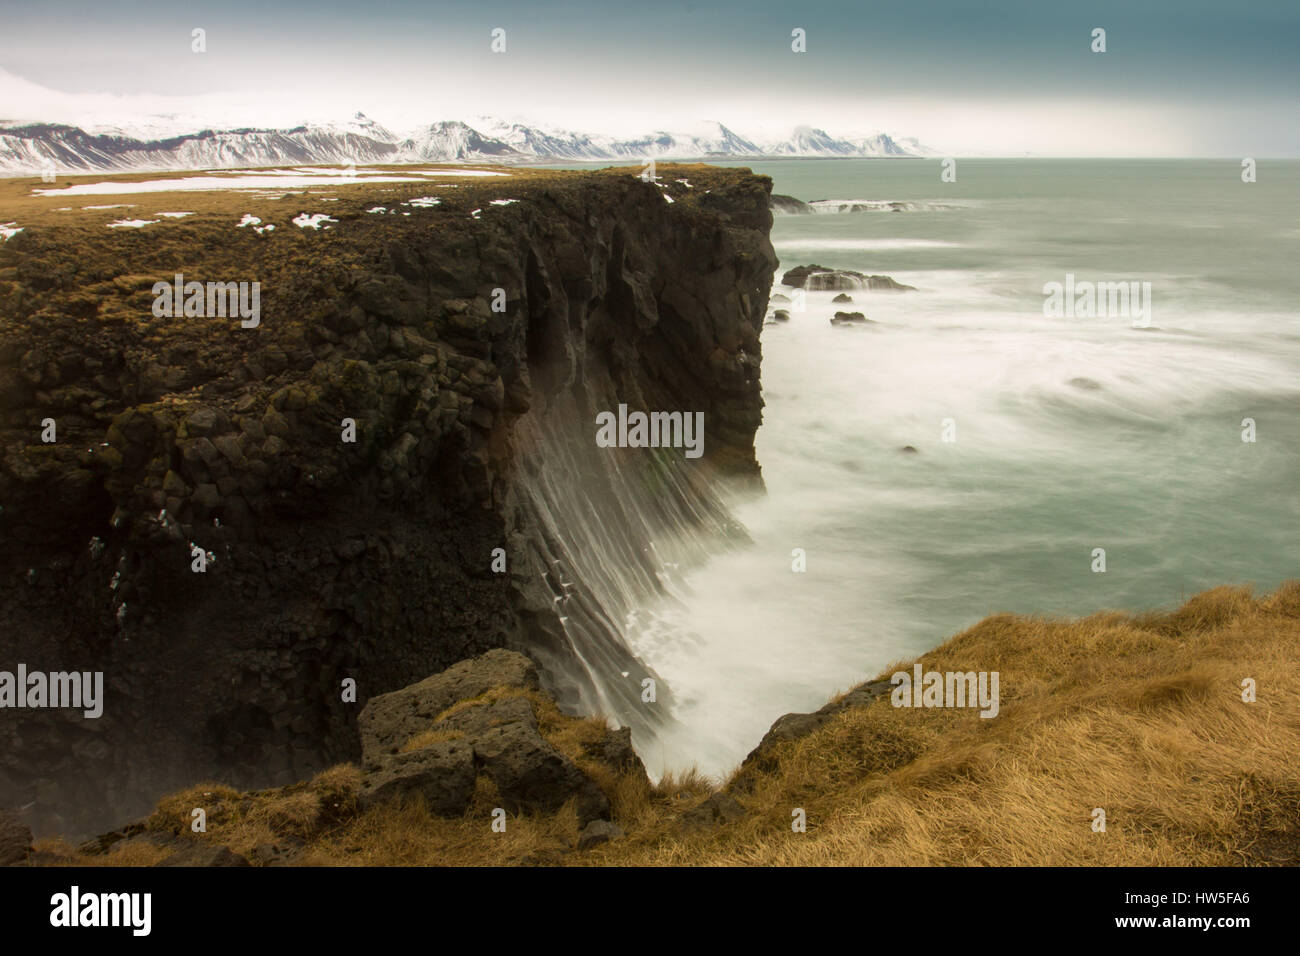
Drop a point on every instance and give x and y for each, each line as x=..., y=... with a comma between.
x=28, y=148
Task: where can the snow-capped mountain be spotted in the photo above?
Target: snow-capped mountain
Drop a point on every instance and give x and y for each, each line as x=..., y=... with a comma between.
x=27, y=149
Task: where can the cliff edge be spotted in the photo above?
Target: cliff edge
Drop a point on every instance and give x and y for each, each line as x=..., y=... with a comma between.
x=417, y=390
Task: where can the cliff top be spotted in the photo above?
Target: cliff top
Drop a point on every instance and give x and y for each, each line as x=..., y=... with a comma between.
x=278, y=194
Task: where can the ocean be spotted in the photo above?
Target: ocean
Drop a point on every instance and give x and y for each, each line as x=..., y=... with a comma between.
x=1069, y=434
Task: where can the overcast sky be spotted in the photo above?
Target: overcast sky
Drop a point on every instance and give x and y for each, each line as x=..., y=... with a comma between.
x=997, y=77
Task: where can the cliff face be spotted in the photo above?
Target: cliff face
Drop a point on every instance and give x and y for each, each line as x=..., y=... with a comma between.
x=328, y=559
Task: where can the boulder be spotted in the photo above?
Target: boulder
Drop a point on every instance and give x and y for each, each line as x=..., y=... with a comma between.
x=849, y=318
x=797, y=276
x=843, y=297
x=480, y=718
x=781, y=315
x=615, y=751
x=597, y=832
x=714, y=811
x=442, y=773
x=530, y=774
x=389, y=720
x=886, y=284
x=497, y=737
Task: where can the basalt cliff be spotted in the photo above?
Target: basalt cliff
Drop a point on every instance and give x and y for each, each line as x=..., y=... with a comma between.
x=393, y=471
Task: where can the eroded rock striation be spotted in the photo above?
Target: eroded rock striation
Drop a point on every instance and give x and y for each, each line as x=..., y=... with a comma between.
x=326, y=560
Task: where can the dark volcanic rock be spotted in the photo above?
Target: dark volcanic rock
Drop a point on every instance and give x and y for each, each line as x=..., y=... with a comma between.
x=390, y=720
x=715, y=810
x=799, y=274
x=615, y=751
x=597, y=832
x=849, y=318
x=442, y=773
x=476, y=719
x=789, y=205
x=530, y=774
x=332, y=561
x=820, y=278
x=496, y=734
x=843, y=297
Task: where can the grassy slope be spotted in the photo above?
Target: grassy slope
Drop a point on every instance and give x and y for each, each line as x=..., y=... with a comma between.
x=1138, y=714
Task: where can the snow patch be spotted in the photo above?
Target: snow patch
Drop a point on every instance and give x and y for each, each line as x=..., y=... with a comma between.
x=424, y=202
x=174, y=215
x=9, y=229
x=248, y=220
x=304, y=221
x=503, y=202
x=132, y=223
x=378, y=209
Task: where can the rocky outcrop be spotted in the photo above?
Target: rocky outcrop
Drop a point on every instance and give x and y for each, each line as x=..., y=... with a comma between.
x=453, y=339
x=789, y=205
x=474, y=738
x=849, y=318
x=817, y=278
x=434, y=738
x=388, y=721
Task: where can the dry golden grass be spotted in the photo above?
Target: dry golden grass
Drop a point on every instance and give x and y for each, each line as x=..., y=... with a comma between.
x=1140, y=715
